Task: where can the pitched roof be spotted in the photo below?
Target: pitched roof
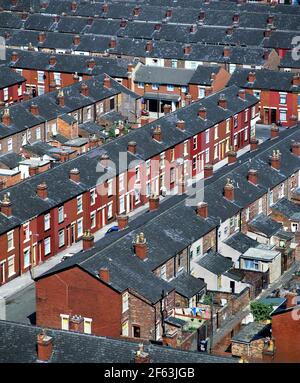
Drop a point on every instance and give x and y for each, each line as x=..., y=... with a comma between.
x=251, y=332
x=162, y=75
x=265, y=225
x=241, y=242
x=203, y=75
x=18, y=345
x=187, y=285
x=215, y=263
x=287, y=208
x=9, y=77
x=11, y=160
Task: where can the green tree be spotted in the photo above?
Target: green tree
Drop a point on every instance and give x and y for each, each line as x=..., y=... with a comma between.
x=207, y=300
x=261, y=311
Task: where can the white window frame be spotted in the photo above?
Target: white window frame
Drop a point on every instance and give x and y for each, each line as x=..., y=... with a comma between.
x=87, y=325
x=64, y=318
x=79, y=204
x=47, y=221
x=93, y=196
x=61, y=238
x=47, y=245
x=125, y=302
x=10, y=238
x=61, y=215
x=9, y=265
x=93, y=219
x=79, y=227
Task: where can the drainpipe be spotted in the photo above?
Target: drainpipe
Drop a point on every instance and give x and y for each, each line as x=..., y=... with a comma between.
x=217, y=237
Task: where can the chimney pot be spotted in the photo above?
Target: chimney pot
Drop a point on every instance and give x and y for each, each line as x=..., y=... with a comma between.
x=251, y=77
x=122, y=220
x=296, y=148
x=73, y=6
x=296, y=80
x=104, y=160
x=201, y=16
x=193, y=28
x=157, y=135
x=222, y=101
x=6, y=208
x=167, y=109
x=275, y=160
x=107, y=82
x=242, y=94
x=153, y=202
x=91, y=63
x=229, y=31
x=141, y=356
x=61, y=98
x=131, y=147
x=105, y=8
x=149, y=46
x=76, y=40
x=274, y=131
x=6, y=120
x=226, y=52
x=34, y=109
x=112, y=43
x=187, y=49
x=14, y=57
x=87, y=240
x=52, y=60
x=202, y=209
x=157, y=27
x=208, y=170
x=140, y=246
x=33, y=170
x=42, y=190
x=104, y=275
x=74, y=175
x=44, y=347
x=169, y=13
x=229, y=190
x=231, y=157
x=180, y=125
x=188, y=99
x=267, y=32
x=202, y=113
x=136, y=11
x=84, y=89
x=41, y=37
x=253, y=176
x=123, y=23
x=76, y=323
x=253, y=143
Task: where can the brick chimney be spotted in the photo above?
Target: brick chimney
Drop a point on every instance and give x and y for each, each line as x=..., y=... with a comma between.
x=42, y=190
x=253, y=176
x=222, y=101
x=34, y=109
x=90, y=20
x=44, y=347
x=291, y=299
x=130, y=68
x=107, y=82
x=296, y=79
x=87, y=240
x=180, y=124
x=75, y=77
x=202, y=113
x=267, y=32
x=188, y=99
x=169, y=13
x=193, y=28
x=201, y=16
x=157, y=27
x=229, y=31
x=84, y=89
x=63, y=156
x=251, y=77
x=74, y=175
x=157, y=135
x=122, y=220
x=141, y=356
x=14, y=57
x=275, y=160
x=73, y=6
x=208, y=90
x=253, y=143
x=112, y=43
x=208, y=170
x=136, y=11
x=140, y=246
x=131, y=147
x=52, y=85
x=153, y=202
x=52, y=60
x=24, y=15
x=6, y=208
x=6, y=120
x=242, y=94
x=76, y=40
x=123, y=23
x=270, y=19
x=236, y=18
x=149, y=46
x=229, y=190
x=167, y=109
x=182, y=186
x=202, y=209
x=104, y=160
x=231, y=156
x=296, y=148
x=33, y=170
x=105, y=8
x=91, y=63
x=76, y=323
x=274, y=131
x=41, y=37
x=226, y=52
x=104, y=275
x=61, y=98
x=187, y=49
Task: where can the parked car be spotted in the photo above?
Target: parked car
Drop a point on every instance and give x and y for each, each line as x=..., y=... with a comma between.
x=67, y=256
x=111, y=229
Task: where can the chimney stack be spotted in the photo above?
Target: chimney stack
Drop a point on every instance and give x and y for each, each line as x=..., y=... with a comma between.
x=208, y=90
x=149, y=46
x=153, y=202
x=76, y=323
x=226, y=52
x=131, y=147
x=229, y=31
x=242, y=94
x=44, y=347
x=41, y=37
x=42, y=190
x=236, y=18
x=122, y=220
x=222, y=101
x=188, y=99
x=202, y=113
x=231, y=156
x=112, y=43
x=157, y=27
x=201, y=16
x=251, y=77
x=202, y=209
x=140, y=246
x=253, y=143
x=291, y=299
x=104, y=275
x=229, y=190
x=296, y=80
x=169, y=13
x=52, y=60
x=84, y=89
x=130, y=68
x=123, y=23
x=34, y=109
x=187, y=49
x=141, y=356
x=157, y=135
x=107, y=82
x=74, y=175
x=105, y=8
x=268, y=32
x=6, y=208
x=296, y=148
x=90, y=20
x=136, y=11
x=63, y=156
x=87, y=240
x=275, y=160
x=253, y=176
x=73, y=6
x=14, y=57
x=6, y=120
x=91, y=63
x=180, y=125
x=274, y=131
x=33, y=170
x=167, y=109
x=76, y=40
x=270, y=19
x=104, y=160
x=208, y=170
x=61, y=98
x=193, y=28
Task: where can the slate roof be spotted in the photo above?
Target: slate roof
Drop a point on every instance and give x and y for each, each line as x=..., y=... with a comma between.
x=264, y=80
x=215, y=263
x=187, y=285
x=260, y=253
x=18, y=345
x=252, y=331
x=287, y=208
x=11, y=160
x=162, y=75
x=202, y=75
x=93, y=128
x=265, y=225
x=177, y=322
x=8, y=77
x=241, y=242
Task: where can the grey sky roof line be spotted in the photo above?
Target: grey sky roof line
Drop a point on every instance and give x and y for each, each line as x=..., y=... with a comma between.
x=18, y=345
